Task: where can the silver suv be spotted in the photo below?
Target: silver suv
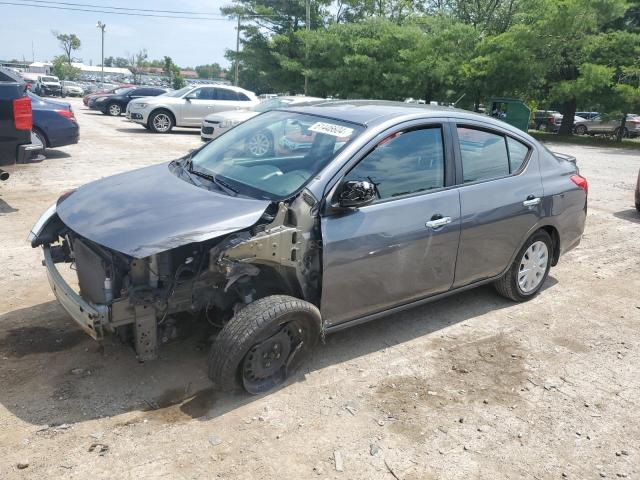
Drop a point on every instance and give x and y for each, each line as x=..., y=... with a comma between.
x=188, y=106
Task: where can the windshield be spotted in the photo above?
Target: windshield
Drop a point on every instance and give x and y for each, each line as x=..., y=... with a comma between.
x=70, y=84
x=274, y=154
x=122, y=91
x=49, y=79
x=178, y=93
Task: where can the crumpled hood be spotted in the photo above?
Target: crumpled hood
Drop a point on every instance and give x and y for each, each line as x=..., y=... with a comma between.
x=150, y=210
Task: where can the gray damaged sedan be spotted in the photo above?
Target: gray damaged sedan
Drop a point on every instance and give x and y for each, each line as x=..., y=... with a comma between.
x=358, y=210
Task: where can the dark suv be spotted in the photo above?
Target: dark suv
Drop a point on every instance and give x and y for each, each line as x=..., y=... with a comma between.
x=115, y=104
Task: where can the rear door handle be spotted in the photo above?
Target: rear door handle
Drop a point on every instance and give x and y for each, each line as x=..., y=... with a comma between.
x=438, y=222
x=531, y=201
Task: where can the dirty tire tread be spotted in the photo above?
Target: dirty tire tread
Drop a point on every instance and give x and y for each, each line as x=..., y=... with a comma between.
x=239, y=335
x=506, y=285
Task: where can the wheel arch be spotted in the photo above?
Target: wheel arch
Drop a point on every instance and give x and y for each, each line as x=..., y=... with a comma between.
x=44, y=135
x=555, y=239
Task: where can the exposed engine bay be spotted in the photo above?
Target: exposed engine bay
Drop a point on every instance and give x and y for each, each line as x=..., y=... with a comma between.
x=210, y=280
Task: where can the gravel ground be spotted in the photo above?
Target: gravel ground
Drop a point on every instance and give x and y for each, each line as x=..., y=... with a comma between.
x=472, y=386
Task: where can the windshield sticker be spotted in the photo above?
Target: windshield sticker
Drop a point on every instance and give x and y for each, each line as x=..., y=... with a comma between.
x=331, y=129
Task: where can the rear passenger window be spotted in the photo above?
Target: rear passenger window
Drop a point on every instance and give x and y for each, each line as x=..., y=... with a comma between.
x=405, y=163
x=517, y=154
x=484, y=155
x=224, y=94
x=242, y=97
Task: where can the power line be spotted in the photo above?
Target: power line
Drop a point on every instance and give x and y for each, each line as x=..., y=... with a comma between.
x=125, y=8
x=129, y=14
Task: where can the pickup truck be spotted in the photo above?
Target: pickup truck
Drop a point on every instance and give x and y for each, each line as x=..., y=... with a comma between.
x=16, y=145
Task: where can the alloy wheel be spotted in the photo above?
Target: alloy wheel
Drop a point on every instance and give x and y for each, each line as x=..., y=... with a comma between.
x=115, y=110
x=533, y=266
x=161, y=122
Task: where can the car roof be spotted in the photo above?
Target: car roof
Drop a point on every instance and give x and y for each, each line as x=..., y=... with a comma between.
x=220, y=85
x=374, y=112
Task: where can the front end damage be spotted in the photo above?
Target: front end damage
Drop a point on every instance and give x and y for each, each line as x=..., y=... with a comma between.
x=139, y=298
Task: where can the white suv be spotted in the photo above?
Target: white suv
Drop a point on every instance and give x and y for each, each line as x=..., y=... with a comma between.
x=188, y=106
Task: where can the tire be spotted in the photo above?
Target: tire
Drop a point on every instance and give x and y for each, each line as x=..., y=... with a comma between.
x=543, y=127
x=625, y=132
x=113, y=110
x=509, y=285
x=41, y=137
x=161, y=122
x=581, y=130
x=237, y=356
x=261, y=144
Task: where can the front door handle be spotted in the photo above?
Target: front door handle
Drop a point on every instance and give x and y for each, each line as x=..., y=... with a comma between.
x=438, y=221
x=531, y=201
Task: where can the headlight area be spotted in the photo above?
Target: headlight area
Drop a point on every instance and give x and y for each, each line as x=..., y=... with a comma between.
x=40, y=232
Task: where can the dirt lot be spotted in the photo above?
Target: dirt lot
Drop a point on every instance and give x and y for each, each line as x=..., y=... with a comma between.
x=473, y=386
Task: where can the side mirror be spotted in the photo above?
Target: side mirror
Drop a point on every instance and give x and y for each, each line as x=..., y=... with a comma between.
x=356, y=193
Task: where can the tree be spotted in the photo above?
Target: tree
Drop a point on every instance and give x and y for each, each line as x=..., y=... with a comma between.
x=172, y=71
x=69, y=43
x=210, y=71
x=136, y=64
x=63, y=70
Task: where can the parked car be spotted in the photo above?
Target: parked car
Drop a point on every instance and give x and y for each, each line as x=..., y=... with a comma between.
x=48, y=85
x=16, y=120
x=609, y=126
x=116, y=103
x=587, y=115
x=549, y=121
x=390, y=207
x=72, y=89
x=87, y=98
x=188, y=106
x=216, y=124
x=54, y=123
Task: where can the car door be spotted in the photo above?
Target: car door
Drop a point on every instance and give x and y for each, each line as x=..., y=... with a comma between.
x=198, y=104
x=403, y=246
x=500, y=199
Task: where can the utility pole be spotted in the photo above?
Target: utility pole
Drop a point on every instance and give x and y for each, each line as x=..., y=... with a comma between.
x=102, y=26
x=237, y=65
x=308, y=22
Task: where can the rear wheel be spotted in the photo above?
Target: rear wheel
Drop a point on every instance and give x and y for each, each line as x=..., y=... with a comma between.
x=263, y=343
x=625, y=132
x=40, y=137
x=529, y=270
x=161, y=122
x=114, y=110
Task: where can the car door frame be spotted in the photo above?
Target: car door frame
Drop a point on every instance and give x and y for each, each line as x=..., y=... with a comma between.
x=205, y=106
x=542, y=207
x=327, y=209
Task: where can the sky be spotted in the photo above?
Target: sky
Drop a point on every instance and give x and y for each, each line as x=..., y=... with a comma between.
x=187, y=42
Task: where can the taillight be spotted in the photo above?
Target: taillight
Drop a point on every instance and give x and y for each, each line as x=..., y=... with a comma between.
x=66, y=114
x=22, y=116
x=581, y=182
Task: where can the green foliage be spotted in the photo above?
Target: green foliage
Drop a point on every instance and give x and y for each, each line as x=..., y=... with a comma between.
x=119, y=62
x=210, y=71
x=557, y=54
x=69, y=43
x=63, y=70
x=172, y=71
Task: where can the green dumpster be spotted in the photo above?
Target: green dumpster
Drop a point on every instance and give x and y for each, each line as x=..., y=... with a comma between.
x=512, y=111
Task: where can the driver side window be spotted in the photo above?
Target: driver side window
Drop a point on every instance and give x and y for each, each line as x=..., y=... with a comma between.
x=404, y=163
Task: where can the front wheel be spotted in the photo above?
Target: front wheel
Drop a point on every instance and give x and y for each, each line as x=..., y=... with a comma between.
x=263, y=343
x=114, y=110
x=581, y=130
x=529, y=270
x=625, y=132
x=160, y=122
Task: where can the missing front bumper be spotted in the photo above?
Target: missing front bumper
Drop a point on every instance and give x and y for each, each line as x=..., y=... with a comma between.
x=91, y=318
